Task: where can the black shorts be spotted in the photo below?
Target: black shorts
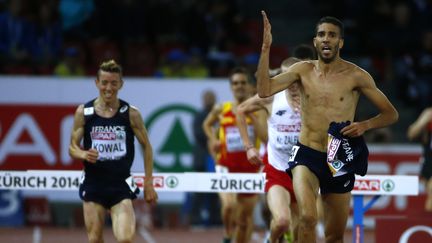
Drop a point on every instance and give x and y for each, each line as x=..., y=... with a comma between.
x=107, y=193
x=316, y=162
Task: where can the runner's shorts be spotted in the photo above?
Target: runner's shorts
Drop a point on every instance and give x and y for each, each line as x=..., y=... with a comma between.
x=277, y=177
x=108, y=193
x=316, y=162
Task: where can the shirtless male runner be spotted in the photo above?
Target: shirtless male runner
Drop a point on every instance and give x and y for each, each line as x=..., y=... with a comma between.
x=330, y=88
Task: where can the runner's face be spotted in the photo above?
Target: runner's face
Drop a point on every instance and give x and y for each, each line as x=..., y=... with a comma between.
x=239, y=86
x=109, y=84
x=327, y=42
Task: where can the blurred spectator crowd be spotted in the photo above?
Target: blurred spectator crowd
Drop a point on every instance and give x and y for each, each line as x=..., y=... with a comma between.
x=392, y=39
x=162, y=38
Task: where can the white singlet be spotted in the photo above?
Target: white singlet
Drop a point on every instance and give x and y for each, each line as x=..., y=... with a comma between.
x=283, y=131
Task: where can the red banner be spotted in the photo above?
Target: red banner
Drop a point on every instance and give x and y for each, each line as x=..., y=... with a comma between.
x=36, y=137
x=404, y=230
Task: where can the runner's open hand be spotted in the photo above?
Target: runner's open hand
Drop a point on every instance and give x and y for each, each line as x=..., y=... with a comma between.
x=267, y=35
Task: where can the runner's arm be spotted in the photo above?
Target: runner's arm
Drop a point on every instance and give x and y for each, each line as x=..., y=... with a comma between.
x=388, y=113
x=415, y=129
x=267, y=86
x=75, y=150
x=141, y=134
x=213, y=143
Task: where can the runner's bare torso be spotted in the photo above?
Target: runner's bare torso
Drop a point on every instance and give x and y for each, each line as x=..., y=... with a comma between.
x=329, y=92
x=326, y=97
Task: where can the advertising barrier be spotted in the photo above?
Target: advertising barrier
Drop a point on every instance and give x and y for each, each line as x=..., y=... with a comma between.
x=67, y=180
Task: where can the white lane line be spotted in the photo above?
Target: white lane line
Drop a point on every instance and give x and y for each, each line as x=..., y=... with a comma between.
x=145, y=234
x=37, y=234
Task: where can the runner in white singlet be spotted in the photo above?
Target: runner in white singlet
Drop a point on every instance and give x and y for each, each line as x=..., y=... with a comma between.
x=280, y=132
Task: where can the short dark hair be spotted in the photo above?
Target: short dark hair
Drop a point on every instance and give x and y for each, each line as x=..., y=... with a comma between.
x=289, y=61
x=331, y=20
x=110, y=66
x=304, y=52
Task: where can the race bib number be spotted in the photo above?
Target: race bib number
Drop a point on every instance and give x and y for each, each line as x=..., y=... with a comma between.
x=294, y=151
x=110, y=145
x=234, y=142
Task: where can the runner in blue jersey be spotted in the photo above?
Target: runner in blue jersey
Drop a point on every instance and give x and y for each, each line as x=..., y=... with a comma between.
x=108, y=125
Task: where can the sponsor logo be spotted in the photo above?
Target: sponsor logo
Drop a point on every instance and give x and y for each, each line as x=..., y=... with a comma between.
x=388, y=185
x=288, y=128
x=280, y=112
x=172, y=181
x=103, y=136
x=367, y=185
x=123, y=109
x=158, y=181
x=169, y=128
x=347, y=183
x=333, y=146
x=337, y=164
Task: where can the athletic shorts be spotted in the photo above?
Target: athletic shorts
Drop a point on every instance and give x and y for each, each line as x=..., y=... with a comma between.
x=243, y=167
x=316, y=162
x=108, y=193
x=277, y=177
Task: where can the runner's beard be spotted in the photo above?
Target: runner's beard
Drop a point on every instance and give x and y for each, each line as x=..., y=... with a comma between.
x=328, y=59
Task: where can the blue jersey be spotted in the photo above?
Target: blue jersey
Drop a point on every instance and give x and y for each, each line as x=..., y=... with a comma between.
x=113, y=138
